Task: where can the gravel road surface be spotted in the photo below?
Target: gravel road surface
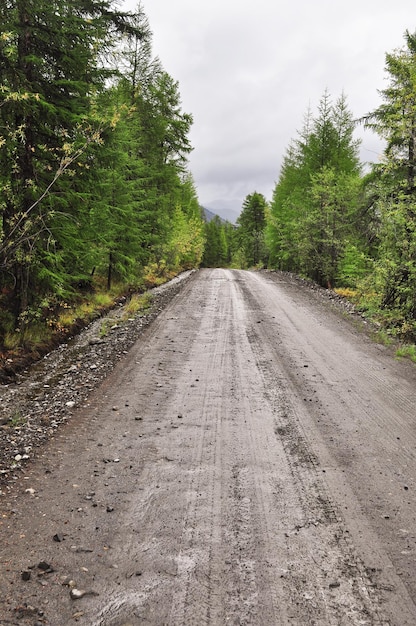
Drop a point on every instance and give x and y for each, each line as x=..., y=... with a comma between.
x=250, y=460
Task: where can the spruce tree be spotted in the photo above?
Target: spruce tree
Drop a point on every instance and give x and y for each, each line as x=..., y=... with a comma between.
x=51, y=65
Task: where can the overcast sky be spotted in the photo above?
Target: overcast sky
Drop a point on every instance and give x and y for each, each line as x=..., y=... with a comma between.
x=248, y=70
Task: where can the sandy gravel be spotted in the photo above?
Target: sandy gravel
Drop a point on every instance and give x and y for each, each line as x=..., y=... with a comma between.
x=250, y=461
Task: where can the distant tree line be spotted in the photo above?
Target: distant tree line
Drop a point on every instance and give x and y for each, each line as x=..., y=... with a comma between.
x=93, y=156
x=241, y=245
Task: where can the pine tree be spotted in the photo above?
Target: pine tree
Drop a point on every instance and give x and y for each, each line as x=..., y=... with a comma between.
x=284, y=218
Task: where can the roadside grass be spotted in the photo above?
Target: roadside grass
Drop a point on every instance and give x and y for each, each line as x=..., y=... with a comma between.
x=389, y=328
x=35, y=337
x=53, y=321
x=407, y=351
x=353, y=295
x=16, y=420
x=138, y=304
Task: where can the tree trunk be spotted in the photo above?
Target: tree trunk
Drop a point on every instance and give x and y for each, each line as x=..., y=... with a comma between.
x=110, y=269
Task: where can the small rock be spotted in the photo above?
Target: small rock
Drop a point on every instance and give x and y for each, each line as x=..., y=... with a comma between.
x=334, y=585
x=110, y=509
x=45, y=567
x=26, y=575
x=77, y=594
x=58, y=537
x=70, y=404
x=81, y=550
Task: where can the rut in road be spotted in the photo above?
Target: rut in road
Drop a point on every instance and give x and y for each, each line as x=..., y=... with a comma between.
x=243, y=465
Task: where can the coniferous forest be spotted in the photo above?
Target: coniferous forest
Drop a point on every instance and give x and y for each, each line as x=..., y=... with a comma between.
x=337, y=223
x=331, y=222
x=96, y=197
x=95, y=189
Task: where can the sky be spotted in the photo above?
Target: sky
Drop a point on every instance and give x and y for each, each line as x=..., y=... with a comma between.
x=248, y=70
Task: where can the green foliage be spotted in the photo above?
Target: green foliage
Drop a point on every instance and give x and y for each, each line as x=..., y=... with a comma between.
x=395, y=188
x=407, y=351
x=219, y=243
x=353, y=265
x=138, y=303
x=215, y=252
x=93, y=172
x=49, y=70
x=185, y=243
x=251, y=231
x=315, y=214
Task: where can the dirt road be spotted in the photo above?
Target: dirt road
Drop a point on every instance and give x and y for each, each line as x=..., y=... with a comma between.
x=251, y=461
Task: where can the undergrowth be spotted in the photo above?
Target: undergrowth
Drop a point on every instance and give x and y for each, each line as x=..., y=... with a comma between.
x=52, y=320
x=390, y=326
x=407, y=351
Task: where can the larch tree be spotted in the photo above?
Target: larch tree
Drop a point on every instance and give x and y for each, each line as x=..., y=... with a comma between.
x=315, y=203
x=251, y=229
x=51, y=67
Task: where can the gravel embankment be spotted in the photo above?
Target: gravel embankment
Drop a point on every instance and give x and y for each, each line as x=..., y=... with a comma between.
x=46, y=395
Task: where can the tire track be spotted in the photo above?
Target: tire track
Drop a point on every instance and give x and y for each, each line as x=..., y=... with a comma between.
x=210, y=477
x=298, y=366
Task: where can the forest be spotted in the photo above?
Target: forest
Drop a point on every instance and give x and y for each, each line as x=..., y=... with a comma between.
x=334, y=223
x=96, y=196
x=97, y=199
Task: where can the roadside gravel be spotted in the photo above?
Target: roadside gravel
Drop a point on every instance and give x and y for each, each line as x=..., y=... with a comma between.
x=45, y=395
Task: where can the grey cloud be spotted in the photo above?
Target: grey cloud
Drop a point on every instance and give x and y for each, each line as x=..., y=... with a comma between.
x=247, y=72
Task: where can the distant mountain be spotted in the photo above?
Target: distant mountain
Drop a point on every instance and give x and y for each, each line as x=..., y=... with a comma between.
x=209, y=215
